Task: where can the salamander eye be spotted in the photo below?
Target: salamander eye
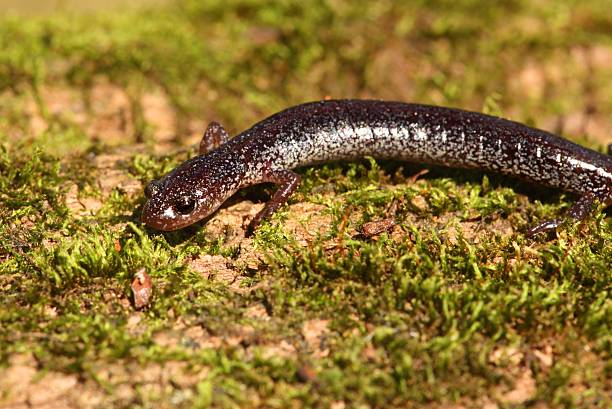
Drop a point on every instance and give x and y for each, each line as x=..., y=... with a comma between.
x=185, y=204
x=152, y=189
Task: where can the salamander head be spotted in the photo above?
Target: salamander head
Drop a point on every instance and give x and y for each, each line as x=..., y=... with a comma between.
x=186, y=195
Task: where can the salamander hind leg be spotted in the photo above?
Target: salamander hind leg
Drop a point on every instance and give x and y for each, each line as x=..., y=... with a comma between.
x=287, y=182
x=214, y=136
x=579, y=211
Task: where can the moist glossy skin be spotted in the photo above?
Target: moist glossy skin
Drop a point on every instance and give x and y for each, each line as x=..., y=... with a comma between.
x=349, y=129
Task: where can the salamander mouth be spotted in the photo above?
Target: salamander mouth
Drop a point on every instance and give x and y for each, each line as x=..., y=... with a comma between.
x=155, y=220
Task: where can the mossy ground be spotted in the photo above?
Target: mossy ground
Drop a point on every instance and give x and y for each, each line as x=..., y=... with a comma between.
x=453, y=307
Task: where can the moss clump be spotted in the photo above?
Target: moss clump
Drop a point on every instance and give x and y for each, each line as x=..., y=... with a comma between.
x=451, y=306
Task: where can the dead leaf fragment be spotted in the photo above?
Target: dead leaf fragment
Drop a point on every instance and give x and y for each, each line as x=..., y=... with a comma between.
x=306, y=374
x=545, y=356
x=142, y=289
x=523, y=391
x=374, y=228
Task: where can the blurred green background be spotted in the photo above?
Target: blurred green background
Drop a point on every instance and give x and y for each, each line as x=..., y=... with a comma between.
x=544, y=63
x=452, y=308
x=38, y=7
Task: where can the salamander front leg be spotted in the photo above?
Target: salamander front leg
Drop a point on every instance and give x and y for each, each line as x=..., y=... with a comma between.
x=579, y=211
x=214, y=136
x=287, y=182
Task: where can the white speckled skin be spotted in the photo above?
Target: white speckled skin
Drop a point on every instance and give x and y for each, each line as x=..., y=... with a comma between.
x=349, y=129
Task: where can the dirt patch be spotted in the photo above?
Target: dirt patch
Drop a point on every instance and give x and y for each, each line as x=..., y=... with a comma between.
x=111, y=173
x=257, y=312
x=393, y=84
x=79, y=205
x=110, y=116
x=195, y=337
x=106, y=112
x=218, y=268
x=571, y=73
x=473, y=231
x=280, y=349
x=229, y=223
x=314, y=333
x=23, y=386
x=131, y=381
x=545, y=356
x=306, y=221
x=523, y=386
x=523, y=389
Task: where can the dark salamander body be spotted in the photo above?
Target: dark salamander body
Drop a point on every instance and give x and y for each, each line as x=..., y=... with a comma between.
x=349, y=129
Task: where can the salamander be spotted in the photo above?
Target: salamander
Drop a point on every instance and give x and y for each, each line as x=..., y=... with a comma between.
x=333, y=130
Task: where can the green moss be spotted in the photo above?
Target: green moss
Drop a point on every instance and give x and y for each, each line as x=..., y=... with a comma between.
x=452, y=306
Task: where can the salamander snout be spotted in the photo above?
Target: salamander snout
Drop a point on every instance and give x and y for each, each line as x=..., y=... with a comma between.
x=166, y=209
